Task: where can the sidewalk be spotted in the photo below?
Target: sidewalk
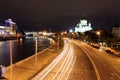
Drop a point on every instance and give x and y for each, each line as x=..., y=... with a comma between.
x=27, y=68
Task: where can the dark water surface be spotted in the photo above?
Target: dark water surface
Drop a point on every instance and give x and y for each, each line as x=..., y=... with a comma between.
x=21, y=49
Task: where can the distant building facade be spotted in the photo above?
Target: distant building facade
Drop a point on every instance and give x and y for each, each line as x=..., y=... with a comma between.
x=83, y=26
x=8, y=29
x=116, y=32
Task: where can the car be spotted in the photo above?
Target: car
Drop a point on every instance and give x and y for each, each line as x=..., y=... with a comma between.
x=95, y=45
x=110, y=50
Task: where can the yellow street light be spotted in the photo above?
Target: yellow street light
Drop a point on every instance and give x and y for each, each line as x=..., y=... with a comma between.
x=98, y=33
x=62, y=33
x=44, y=33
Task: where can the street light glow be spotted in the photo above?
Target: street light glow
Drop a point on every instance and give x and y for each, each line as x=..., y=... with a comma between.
x=70, y=30
x=98, y=33
x=44, y=33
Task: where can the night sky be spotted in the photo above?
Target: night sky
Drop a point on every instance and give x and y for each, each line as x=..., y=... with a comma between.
x=60, y=14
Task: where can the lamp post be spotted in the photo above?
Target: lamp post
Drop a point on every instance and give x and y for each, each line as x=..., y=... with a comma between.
x=11, y=61
x=36, y=43
x=44, y=34
x=58, y=43
x=98, y=33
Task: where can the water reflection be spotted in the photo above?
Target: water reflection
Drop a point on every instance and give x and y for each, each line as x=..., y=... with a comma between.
x=21, y=48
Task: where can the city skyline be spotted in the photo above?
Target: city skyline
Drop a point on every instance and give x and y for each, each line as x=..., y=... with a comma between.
x=60, y=14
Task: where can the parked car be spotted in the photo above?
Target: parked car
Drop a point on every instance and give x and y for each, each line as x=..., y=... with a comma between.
x=95, y=45
x=109, y=50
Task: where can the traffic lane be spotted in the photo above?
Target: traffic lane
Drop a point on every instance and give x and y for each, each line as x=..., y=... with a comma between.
x=62, y=69
x=53, y=72
x=83, y=69
x=104, y=65
x=112, y=64
x=47, y=70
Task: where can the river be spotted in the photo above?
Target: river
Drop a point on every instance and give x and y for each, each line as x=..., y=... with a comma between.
x=21, y=49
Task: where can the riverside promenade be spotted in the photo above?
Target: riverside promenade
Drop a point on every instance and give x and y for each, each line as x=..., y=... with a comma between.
x=29, y=67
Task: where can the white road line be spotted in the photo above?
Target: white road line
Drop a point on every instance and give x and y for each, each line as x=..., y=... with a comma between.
x=95, y=68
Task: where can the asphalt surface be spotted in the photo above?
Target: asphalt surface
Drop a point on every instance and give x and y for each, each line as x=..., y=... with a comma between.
x=79, y=61
x=106, y=66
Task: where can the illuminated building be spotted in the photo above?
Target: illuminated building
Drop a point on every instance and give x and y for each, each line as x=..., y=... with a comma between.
x=116, y=32
x=9, y=29
x=83, y=26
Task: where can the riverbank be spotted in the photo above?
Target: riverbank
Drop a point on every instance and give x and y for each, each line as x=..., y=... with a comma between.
x=28, y=67
x=9, y=38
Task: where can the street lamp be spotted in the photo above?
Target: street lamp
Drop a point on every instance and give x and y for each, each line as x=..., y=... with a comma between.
x=98, y=33
x=44, y=34
x=58, y=43
x=11, y=61
x=36, y=43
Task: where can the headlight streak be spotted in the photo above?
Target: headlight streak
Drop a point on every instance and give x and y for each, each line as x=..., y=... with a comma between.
x=71, y=68
x=63, y=64
x=67, y=68
x=45, y=71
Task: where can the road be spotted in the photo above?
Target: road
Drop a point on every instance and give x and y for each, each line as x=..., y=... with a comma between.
x=79, y=61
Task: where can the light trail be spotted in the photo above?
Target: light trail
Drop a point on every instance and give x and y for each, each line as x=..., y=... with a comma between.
x=65, y=64
x=61, y=66
x=47, y=70
x=57, y=73
x=71, y=68
x=65, y=72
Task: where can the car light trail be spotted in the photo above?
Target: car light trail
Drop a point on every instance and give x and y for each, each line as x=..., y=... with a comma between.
x=71, y=68
x=66, y=68
x=47, y=70
x=61, y=66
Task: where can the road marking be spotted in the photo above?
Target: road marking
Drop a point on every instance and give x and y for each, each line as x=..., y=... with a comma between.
x=95, y=68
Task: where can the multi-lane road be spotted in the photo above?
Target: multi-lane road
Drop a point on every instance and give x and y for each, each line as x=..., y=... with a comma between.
x=79, y=61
